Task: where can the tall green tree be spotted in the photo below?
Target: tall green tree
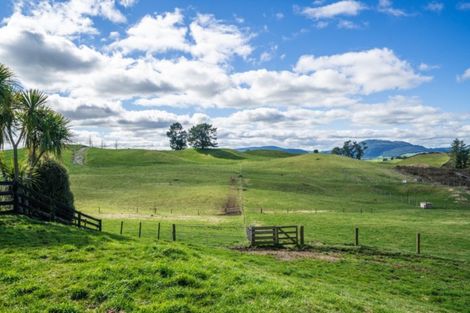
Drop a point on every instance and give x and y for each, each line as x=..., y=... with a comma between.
x=178, y=136
x=351, y=149
x=26, y=119
x=459, y=154
x=203, y=136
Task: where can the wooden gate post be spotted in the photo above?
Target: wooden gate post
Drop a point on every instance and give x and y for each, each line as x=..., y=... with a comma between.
x=158, y=231
x=173, y=232
x=301, y=235
x=276, y=235
x=122, y=226
x=418, y=243
x=140, y=229
x=356, y=242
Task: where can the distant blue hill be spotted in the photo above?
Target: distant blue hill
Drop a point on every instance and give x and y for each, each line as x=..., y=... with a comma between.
x=385, y=148
x=273, y=148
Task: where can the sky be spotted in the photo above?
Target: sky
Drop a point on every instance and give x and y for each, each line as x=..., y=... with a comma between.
x=297, y=74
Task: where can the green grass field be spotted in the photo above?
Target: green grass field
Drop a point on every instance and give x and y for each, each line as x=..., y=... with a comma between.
x=53, y=268
x=329, y=195
x=426, y=159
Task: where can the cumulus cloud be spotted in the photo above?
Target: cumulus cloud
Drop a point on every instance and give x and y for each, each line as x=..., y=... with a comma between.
x=463, y=6
x=128, y=3
x=345, y=7
x=217, y=42
x=130, y=88
x=386, y=6
x=68, y=18
x=159, y=33
x=464, y=76
x=366, y=71
x=435, y=6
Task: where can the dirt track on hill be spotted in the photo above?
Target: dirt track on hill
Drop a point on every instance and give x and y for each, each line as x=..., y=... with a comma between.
x=79, y=156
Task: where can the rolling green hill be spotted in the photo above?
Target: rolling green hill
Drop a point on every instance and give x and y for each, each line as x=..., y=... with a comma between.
x=428, y=159
x=329, y=195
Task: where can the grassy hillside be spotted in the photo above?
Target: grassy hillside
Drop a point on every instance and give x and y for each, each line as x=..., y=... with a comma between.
x=328, y=194
x=48, y=267
x=53, y=268
x=429, y=159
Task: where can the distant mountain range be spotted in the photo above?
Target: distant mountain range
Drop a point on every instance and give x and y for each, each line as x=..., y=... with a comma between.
x=375, y=148
x=273, y=148
x=385, y=148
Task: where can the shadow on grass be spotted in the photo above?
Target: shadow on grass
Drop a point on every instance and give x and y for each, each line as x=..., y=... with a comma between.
x=220, y=154
x=23, y=232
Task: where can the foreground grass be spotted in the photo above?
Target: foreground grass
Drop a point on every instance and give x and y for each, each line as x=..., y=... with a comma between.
x=54, y=268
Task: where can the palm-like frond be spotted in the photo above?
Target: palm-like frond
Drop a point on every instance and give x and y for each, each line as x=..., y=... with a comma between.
x=54, y=133
x=7, y=80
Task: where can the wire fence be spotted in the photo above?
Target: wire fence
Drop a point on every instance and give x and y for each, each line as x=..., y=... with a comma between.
x=383, y=238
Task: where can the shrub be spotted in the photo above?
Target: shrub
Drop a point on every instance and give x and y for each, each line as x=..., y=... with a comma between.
x=53, y=182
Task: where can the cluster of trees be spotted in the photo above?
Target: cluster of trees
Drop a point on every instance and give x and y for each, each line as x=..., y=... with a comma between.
x=351, y=149
x=459, y=154
x=27, y=121
x=201, y=136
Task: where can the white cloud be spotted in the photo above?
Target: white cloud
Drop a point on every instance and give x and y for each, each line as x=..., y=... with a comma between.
x=344, y=24
x=386, y=6
x=128, y=3
x=99, y=88
x=345, y=7
x=159, y=33
x=435, y=6
x=427, y=67
x=463, y=6
x=464, y=76
x=216, y=42
x=64, y=18
x=366, y=71
x=206, y=38
x=279, y=15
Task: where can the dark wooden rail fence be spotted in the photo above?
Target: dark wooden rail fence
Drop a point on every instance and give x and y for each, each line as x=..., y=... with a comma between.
x=20, y=199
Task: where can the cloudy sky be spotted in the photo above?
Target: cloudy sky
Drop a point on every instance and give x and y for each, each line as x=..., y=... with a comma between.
x=304, y=74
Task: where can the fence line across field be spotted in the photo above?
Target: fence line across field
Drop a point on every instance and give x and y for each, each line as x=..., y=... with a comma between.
x=266, y=235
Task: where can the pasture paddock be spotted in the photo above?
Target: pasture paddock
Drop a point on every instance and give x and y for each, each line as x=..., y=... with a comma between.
x=81, y=271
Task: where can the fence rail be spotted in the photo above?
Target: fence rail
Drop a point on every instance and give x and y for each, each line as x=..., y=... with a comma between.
x=20, y=199
x=275, y=235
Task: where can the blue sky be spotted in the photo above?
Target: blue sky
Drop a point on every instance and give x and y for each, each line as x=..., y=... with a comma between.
x=307, y=74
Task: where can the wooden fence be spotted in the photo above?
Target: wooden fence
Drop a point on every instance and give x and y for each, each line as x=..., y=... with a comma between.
x=275, y=235
x=19, y=199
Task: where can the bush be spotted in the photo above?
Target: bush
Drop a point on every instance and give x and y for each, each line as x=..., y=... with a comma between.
x=53, y=182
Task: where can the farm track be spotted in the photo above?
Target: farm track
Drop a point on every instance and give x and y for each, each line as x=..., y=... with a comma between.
x=79, y=156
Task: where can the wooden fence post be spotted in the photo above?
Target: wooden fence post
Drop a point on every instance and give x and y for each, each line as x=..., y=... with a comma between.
x=122, y=225
x=15, y=196
x=276, y=235
x=418, y=243
x=356, y=236
x=158, y=231
x=251, y=234
x=173, y=232
x=79, y=219
x=301, y=235
x=100, y=225
x=140, y=229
